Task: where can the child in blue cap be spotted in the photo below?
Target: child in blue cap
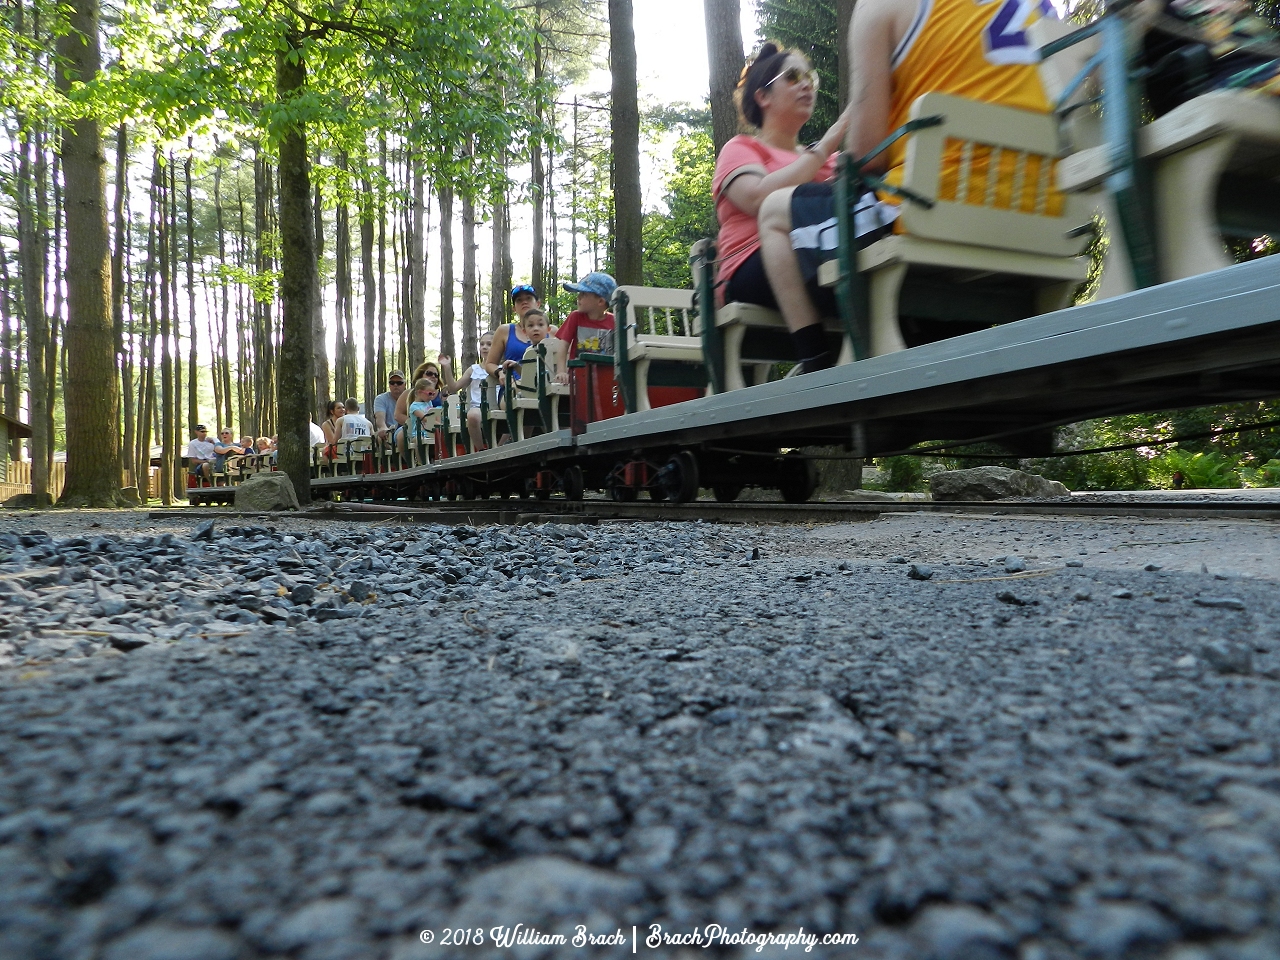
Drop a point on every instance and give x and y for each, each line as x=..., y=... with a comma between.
x=589, y=329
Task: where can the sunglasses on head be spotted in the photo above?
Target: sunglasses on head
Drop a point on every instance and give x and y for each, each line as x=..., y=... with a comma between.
x=795, y=75
x=523, y=288
x=396, y=383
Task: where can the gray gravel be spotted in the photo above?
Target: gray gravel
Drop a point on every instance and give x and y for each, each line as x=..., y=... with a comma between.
x=318, y=740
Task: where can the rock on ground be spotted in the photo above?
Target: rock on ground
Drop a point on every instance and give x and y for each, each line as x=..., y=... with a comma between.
x=266, y=492
x=993, y=483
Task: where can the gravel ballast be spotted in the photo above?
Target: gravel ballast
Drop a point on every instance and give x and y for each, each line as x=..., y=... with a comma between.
x=954, y=737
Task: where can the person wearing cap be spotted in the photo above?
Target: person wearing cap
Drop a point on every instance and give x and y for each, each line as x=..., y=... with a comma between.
x=589, y=329
x=384, y=405
x=200, y=453
x=509, y=342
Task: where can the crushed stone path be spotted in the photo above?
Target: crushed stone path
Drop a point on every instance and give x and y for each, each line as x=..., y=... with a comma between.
x=957, y=738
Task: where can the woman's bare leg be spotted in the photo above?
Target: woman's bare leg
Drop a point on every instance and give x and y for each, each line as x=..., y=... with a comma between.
x=780, y=262
x=783, y=270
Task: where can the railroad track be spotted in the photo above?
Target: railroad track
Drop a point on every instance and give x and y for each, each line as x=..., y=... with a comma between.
x=513, y=511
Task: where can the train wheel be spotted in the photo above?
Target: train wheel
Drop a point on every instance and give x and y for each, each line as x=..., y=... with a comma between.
x=657, y=494
x=620, y=493
x=797, y=479
x=572, y=483
x=679, y=478
x=727, y=492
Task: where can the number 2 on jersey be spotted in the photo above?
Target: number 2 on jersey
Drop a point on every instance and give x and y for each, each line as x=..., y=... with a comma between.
x=1004, y=40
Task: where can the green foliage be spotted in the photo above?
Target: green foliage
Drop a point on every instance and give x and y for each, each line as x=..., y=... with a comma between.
x=1226, y=460
x=901, y=474
x=441, y=74
x=811, y=27
x=1204, y=469
x=690, y=214
x=1266, y=475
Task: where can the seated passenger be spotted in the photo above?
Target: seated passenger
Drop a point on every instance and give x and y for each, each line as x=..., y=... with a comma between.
x=330, y=427
x=775, y=98
x=536, y=328
x=424, y=400
x=427, y=369
x=473, y=381
x=899, y=51
x=589, y=329
x=384, y=406
x=508, y=342
x=316, y=434
x=353, y=424
x=200, y=454
x=1237, y=50
x=225, y=447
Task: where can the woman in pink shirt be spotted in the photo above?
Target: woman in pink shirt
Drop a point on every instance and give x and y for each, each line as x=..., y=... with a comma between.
x=775, y=98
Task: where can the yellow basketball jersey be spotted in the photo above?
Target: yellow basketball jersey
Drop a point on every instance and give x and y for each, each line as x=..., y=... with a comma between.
x=970, y=48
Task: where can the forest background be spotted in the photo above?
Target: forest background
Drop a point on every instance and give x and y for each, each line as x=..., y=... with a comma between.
x=385, y=171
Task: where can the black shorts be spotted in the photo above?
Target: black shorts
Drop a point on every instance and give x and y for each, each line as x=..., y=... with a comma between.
x=815, y=240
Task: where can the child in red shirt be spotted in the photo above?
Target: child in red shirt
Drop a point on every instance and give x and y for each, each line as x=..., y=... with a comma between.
x=589, y=328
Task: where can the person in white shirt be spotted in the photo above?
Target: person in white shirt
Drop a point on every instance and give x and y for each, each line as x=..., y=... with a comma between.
x=474, y=379
x=353, y=424
x=200, y=454
x=317, y=435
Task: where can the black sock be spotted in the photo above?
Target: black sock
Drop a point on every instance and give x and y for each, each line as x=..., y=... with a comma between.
x=811, y=347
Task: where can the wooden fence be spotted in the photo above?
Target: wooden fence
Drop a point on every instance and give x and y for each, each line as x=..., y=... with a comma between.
x=17, y=479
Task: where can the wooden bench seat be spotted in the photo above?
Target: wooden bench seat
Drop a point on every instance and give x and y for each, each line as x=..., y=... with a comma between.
x=420, y=437
x=1215, y=170
x=991, y=248
x=663, y=348
x=956, y=282
x=538, y=392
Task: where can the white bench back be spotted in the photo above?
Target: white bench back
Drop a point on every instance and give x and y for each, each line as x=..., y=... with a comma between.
x=998, y=189
x=658, y=312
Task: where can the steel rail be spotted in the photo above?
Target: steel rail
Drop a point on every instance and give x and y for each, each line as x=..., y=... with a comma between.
x=514, y=511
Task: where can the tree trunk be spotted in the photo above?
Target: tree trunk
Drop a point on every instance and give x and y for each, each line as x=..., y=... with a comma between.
x=262, y=380
x=628, y=264
x=724, y=55
x=166, y=345
x=844, y=16
x=243, y=310
x=417, y=327
x=146, y=374
x=553, y=270
x=470, y=335
x=175, y=418
x=371, y=381
x=31, y=260
x=538, y=184
x=382, y=264
x=298, y=264
x=499, y=292
x=448, y=345
x=221, y=348
x=193, y=401
x=343, y=376
x=117, y=297
x=53, y=281
x=318, y=345
x=8, y=352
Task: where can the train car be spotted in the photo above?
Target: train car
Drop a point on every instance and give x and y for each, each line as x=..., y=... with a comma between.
x=959, y=328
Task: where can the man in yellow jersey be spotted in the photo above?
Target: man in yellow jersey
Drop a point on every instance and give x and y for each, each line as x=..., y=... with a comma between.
x=900, y=50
